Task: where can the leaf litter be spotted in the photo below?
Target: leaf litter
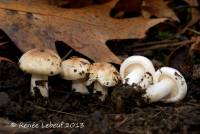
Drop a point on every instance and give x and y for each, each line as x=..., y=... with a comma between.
x=86, y=29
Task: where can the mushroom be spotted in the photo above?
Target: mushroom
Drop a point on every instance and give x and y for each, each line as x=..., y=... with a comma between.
x=170, y=86
x=137, y=70
x=76, y=69
x=41, y=63
x=103, y=75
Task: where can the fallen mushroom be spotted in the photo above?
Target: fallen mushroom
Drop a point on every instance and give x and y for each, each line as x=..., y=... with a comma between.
x=170, y=86
x=137, y=70
x=103, y=75
x=41, y=63
x=76, y=69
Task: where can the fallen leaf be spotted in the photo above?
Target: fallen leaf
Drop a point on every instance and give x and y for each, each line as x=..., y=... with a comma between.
x=159, y=8
x=150, y=8
x=85, y=29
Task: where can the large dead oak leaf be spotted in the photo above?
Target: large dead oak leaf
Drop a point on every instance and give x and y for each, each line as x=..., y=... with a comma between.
x=85, y=29
x=159, y=8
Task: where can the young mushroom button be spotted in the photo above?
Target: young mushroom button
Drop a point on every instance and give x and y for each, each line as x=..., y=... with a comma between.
x=76, y=69
x=137, y=70
x=103, y=75
x=41, y=63
x=169, y=86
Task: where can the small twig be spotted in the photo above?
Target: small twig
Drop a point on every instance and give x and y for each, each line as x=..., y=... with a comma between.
x=151, y=43
x=193, y=104
x=122, y=122
x=68, y=53
x=3, y=43
x=194, y=31
x=190, y=24
x=61, y=112
x=155, y=115
x=158, y=46
x=188, y=6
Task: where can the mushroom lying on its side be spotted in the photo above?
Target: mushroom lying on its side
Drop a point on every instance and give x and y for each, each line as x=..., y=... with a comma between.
x=169, y=86
x=41, y=63
x=76, y=69
x=103, y=75
x=137, y=70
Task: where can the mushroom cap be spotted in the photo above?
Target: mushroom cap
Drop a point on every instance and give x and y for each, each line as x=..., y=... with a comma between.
x=136, y=61
x=75, y=68
x=106, y=74
x=179, y=90
x=40, y=61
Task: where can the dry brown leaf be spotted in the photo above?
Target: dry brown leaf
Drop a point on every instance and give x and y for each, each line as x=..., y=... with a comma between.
x=159, y=8
x=85, y=30
x=156, y=8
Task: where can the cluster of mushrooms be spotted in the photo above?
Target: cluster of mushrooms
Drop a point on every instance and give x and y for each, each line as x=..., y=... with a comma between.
x=166, y=84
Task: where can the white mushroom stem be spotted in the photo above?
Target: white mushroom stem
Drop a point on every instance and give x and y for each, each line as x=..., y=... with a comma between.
x=160, y=90
x=102, y=89
x=135, y=76
x=41, y=82
x=80, y=86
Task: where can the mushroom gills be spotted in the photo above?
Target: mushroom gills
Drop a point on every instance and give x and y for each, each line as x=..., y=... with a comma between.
x=40, y=82
x=135, y=76
x=80, y=86
x=137, y=70
x=159, y=90
x=140, y=77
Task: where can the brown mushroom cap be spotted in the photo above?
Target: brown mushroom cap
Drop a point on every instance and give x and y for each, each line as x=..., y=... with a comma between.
x=106, y=74
x=40, y=61
x=74, y=68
